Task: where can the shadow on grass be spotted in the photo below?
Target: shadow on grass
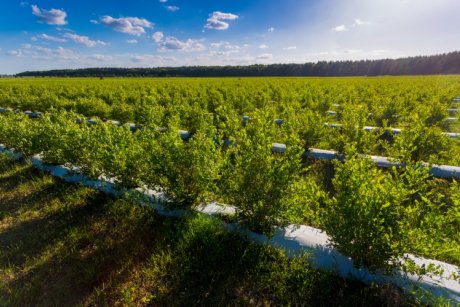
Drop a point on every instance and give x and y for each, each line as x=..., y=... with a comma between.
x=14, y=175
x=26, y=239
x=60, y=258
x=210, y=267
x=84, y=248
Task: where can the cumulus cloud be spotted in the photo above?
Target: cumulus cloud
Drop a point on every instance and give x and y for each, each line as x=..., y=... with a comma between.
x=171, y=43
x=51, y=17
x=341, y=28
x=84, y=40
x=215, y=20
x=50, y=38
x=263, y=46
x=172, y=8
x=132, y=41
x=290, y=48
x=130, y=25
x=271, y=29
x=157, y=36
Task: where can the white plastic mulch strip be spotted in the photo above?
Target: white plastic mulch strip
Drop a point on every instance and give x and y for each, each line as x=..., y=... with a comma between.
x=293, y=239
x=398, y=130
x=439, y=171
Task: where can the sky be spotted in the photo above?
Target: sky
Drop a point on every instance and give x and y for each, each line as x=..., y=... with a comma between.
x=61, y=34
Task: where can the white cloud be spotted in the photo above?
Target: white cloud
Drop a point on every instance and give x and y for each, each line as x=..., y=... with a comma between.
x=163, y=1
x=84, y=40
x=341, y=28
x=50, y=38
x=215, y=53
x=223, y=48
x=358, y=22
x=153, y=59
x=224, y=45
x=132, y=41
x=271, y=29
x=100, y=57
x=51, y=17
x=215, y=20
x=57, y=54
x=171, y=43
x=263, y=46
x=16, y=53
x=225, y=16
x=64, y=29
x=264, y=56
x=172, y=8
x=37, y=52
x=157, y=36
x=130, y=25
x=240, y=60
x=93, y=21
x=290, y=48
x=352, y=51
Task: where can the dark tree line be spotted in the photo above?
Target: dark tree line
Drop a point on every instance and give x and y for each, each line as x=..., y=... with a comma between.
x=448, y=63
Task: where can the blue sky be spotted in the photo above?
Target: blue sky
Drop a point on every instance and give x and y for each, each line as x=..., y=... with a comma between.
x=45, y=34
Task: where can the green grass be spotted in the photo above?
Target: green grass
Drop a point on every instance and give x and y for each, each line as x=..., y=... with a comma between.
x=67, y=245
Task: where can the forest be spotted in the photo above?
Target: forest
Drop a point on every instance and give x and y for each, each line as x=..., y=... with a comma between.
x=448, y=63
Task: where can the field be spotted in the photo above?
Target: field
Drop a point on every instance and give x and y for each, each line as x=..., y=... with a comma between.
x=201, y=140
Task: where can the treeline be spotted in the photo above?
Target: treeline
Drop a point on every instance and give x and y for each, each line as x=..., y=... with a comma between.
x=448, y=63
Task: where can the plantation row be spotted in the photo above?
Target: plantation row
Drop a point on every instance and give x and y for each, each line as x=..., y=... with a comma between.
x=417, y=106
x=439, y=171
x=374, y=216
x=416, y=143
x=278, y=121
